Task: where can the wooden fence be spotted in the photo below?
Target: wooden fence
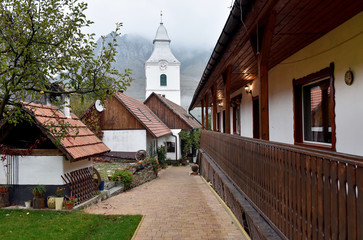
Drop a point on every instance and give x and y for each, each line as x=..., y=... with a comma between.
x=303, y=193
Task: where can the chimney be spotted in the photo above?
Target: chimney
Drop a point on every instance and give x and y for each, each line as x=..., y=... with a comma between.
x=65, y=108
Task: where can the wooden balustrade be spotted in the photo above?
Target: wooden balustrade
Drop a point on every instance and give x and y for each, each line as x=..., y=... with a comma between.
x=303, y=193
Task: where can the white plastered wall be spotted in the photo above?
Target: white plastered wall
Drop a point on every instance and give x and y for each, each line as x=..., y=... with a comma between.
x=125, y=140
x=44, y=170
x=343, y=46
x=246, y=110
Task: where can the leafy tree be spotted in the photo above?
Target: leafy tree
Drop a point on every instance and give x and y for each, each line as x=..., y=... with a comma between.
x=190, y=139
x=42, y=45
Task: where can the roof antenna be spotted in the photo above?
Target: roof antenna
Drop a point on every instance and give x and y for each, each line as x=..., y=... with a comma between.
x=161, y=17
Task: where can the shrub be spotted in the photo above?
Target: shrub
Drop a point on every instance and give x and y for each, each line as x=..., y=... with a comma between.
x=175, y=164
x=162, y=154
x=155, y=163
x=168, y=161
x=126, y=177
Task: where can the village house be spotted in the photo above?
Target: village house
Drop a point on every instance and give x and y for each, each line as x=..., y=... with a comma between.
x=284, y=89
x=128, y=125
x=41, y=153
x=175, y=117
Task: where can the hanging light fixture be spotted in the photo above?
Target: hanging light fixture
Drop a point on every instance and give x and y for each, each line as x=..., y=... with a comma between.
x=248, y=89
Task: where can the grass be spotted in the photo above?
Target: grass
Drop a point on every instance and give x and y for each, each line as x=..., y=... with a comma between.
x=23, y=224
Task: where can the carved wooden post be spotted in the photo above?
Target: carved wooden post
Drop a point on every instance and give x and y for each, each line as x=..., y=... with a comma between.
x=206, y=111
x=214, y=93
x=263, y=75
x=203, y=114
x=227, y=89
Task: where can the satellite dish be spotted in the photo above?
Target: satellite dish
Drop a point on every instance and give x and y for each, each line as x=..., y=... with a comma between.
x=99, y=106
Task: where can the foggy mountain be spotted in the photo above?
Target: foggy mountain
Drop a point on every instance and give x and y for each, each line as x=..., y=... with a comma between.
x=134, y=50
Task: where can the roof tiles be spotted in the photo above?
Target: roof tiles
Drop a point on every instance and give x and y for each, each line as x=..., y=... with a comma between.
x=79, y=143
x=144, y=115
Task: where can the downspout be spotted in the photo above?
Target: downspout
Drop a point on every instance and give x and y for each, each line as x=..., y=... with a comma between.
x=176, y=146
x=156, y=147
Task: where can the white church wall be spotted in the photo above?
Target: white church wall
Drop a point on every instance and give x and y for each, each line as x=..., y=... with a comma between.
x=172, y=88
x=125, y=140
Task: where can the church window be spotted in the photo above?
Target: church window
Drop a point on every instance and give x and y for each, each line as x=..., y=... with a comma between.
x=162, y=80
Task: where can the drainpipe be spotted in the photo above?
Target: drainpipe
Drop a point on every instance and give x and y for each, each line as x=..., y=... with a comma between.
x=176, y=146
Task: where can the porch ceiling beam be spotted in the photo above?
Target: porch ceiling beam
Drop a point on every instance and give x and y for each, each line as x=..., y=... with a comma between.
x=232, y=51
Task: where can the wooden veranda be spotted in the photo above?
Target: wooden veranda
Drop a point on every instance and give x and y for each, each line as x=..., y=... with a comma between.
x=302, y=193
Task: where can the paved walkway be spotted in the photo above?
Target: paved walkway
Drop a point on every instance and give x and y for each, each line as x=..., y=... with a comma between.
x=176, y=205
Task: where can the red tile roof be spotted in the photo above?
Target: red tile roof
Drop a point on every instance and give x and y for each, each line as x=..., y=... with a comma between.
x=79, y=143
x=178, y=110
x=144, y=115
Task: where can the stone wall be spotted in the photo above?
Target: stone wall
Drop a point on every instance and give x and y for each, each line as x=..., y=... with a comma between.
x=143, y=173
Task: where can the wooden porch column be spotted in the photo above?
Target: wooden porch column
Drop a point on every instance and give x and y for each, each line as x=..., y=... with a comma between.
x=214, y=94
x=227, y=89
x=203, y=114
x=263, y=75
x=234, y=119
x=206, y=111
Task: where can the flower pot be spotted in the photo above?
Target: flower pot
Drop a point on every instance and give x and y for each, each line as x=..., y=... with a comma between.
x=195, y=173
x=28, y=203
x=4, y=199
x=51, y=202
x=38, y=202
x=102, y=185
x=58, y=203
x=68, y=205
x=3, y=189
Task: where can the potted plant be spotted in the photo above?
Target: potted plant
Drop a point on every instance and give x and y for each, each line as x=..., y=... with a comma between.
x=39, y=191
x=4, y=188
x=38, y=196
x=4, y=196
x=195, y=168
x=59, y=196
x=69, y=202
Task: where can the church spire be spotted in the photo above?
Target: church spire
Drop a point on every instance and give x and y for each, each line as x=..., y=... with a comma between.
x=161, y=17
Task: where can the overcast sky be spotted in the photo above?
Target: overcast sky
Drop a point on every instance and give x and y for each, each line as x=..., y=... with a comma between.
x=196, y=23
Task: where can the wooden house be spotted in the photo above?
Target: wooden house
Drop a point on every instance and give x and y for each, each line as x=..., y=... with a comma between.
x=175, y=118
x=284, y=87
x=36, y=154
x=128, y=125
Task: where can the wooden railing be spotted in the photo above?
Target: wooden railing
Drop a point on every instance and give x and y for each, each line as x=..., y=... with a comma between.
x=303, y=193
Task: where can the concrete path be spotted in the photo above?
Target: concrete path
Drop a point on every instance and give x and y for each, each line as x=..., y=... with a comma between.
x=176, y=205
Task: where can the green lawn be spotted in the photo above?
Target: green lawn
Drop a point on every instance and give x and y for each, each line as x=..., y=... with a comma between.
x=23, y=224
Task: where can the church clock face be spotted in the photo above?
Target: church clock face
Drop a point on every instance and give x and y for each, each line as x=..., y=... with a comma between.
x=163, y=65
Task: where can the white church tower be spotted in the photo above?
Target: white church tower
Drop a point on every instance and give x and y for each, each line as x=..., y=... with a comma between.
x=162, y=69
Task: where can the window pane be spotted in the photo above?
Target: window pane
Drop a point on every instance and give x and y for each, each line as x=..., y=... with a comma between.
x=162, y=80
x=170, y=146
x=316, y=112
